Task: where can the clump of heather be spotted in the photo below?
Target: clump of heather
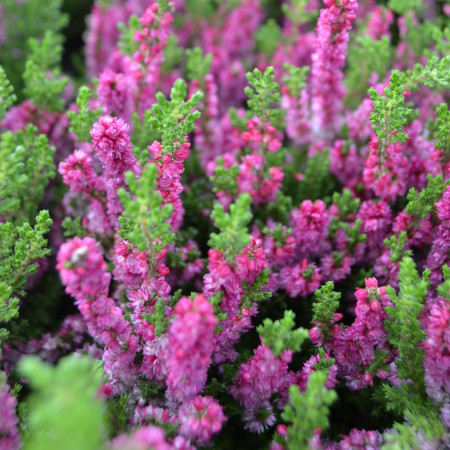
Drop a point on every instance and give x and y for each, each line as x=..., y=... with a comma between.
x=228, y=229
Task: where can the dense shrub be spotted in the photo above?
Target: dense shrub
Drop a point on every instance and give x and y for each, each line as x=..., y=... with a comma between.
x=229, y=228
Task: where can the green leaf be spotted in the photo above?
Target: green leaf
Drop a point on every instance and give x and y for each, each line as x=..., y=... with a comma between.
x=225, y=179
x=64, y=409
x=197, y=65
x=296, y=80
x=24, y=20
x=442, y=134
x=233, y=235
x=27, y=166
x=421, y=204
x=81, y=121
x=264, y=96
x=389, y=113
x=281, y=335
x=309, y=411
x=326, y=303
x=268, y=37
x=316, y=183
x=144, y=218
x=396, y=244
x=366, y=56
x=19, y=249
x=172, y=120
x=7, y=96
x=44, y=84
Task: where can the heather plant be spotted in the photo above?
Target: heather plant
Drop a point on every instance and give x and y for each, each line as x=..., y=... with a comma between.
x=21, y=22
x=228, y=228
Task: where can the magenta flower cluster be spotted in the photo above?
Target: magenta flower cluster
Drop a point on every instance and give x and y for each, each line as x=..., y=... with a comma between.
x=174, y=318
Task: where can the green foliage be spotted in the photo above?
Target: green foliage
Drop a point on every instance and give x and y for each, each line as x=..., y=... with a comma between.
x=403, y=6
x=406, y=335
x=173, y=120
x=158, y=318
x=20, y=247
x=440, y=37
x=354, y=235
x=142, y=136
x=296, y=80
x=389, y=113
x=233, y=235
x=73, y=227
x=144, y=217
x=119, y=413
x=264, y=96
x=44, y=84
x=396, y=244
x=127, y=45
x=295, y=11
x=346, y=202
x=215, y=301
x=268, y=37
x=164, y=6
x=278, y=234
x=173, y=54
x=254, y=292
x=426, y=38
x=27, y=165
x=9, y=308
x=423, y=203
x=403, y=326
x=316, y=183
x=281, y=208
x=326, y=303
x=435, y=74
x=202, y=8
x=238, y=120
x=64, y=410
x=404, y=435
x=197, y=65
x=25, y=20
x=442, y=133
x=444, y=288
x=280, y=335
x=365, y=57
x=308, y=411
x=46, y=300
x=81, y=121
x=7, y=96
x=325, y=363
x=225, y=179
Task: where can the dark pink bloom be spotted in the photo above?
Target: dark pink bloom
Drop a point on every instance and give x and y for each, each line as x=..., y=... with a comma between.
x=113, y=147
x=190, y=348
x=77, y=172
x=309, y=367
x=328, y=60
x=300, y=280
x=252, y=261
x=256, y=381
x=310, y=226
x=437, y=345
x=9, y=423
x=115, y=93
x=361, y=439
x=354, y=346
x=201, y=418
x=142, y=439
